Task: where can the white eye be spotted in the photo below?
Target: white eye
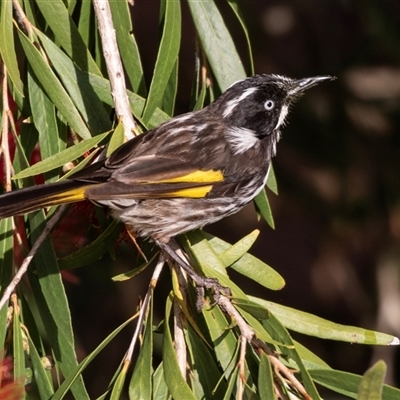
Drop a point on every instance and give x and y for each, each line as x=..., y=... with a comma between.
x=269, y=105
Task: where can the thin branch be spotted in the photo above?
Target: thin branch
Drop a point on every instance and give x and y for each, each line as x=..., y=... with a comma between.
x=179, y=336
x=5, y=127
x=25, y=264
x=145, y=307
x=114, y=65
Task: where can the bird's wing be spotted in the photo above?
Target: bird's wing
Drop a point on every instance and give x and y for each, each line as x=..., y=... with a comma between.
x=161, y=166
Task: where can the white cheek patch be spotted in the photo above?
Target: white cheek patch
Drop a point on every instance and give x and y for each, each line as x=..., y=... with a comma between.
x=241, y=139
x=282, y=116
x=231, y=104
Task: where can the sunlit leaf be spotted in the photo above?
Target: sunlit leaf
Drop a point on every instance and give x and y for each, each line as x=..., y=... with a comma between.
x=308, y=324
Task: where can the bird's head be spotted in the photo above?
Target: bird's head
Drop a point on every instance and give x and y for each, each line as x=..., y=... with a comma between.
x=257, y=107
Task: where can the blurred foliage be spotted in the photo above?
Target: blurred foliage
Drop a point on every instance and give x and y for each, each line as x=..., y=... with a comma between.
x=57, y=108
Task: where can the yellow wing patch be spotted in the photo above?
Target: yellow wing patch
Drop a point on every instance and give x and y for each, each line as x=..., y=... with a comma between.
x=196, y=192
x=196, y=176
x=68, y=196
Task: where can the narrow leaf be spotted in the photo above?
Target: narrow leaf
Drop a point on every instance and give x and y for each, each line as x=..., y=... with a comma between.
x=371, y=385
x=235, y=7
x=7, y=47
x=140, y=386
x=166, y=58
x=279, y=333
x=65, y=156
x=18, y=345
x=160, y=388
x=67, y=34
x=249, y=265
x=239, y=249
x=44, y=118
x=217, y=43
x=347, y=384
x=127, y=45
x=263, y=207
x=80, y=91
x=50, y=294
x=308, y=324
x=177, y=386
x=265, y=379
x=117, y=138
x=70, y=379
x=224, y=341
x=42, y=379
x=53, y=87
x=6, y=270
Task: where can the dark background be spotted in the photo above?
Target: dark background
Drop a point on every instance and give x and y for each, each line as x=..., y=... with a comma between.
x=337, y=215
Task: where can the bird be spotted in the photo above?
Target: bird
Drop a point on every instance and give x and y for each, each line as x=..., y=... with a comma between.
x=190, y=171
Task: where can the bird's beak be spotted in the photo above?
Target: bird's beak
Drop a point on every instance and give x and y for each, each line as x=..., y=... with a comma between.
x=300, y=85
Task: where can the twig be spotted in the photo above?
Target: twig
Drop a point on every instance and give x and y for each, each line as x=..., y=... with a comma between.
x=114, y=65
x=145, y=307
x=21, y=18
x=25, y=264
x=179, y=336
x=5, y=127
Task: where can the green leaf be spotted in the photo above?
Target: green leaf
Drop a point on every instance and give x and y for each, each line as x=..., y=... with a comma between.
x=217, y=43
x=168, y=100
x=44, y=118
x=224, y=341
x=118, y=384
x=102, y=88
x=235, y=7
x=117, y=138
x=160, y=388
x=6, y=270
x=65, y=156
x=53, y=87
x=127, y=45
x=249, y=265
x=67, y=34
x=85, y=27
x=263, y=207
x=280, y=334
x=18, y=346
x=140, y=386
x=79, y=89
x=308, y=324
x=92, y=251
x=7, y=47
x=204, y=369
x=271, y=180
x=166, y=58
x=177, y=386
x=347, y=384
x=310, y=360
x=265, y=379
x=70, y=379
x=50, y=295
x=252, y=308
x=239, y=249
x=371, y=385
x=42, y=378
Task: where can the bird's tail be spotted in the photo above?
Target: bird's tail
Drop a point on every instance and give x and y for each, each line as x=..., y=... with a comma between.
x=33, y=198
